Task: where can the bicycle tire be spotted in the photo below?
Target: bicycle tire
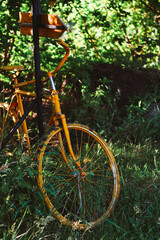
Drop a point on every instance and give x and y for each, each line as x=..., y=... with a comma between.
x=5, y=128
x=81, y=202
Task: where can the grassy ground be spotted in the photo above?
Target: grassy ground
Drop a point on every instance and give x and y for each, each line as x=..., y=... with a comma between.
x=136, y=216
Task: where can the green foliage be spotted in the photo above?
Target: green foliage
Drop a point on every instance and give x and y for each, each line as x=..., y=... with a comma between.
x=140, y=124
x=121, y=31
x=110, y=31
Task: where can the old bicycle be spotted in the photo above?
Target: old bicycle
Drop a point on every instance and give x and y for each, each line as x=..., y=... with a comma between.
x=77, y=173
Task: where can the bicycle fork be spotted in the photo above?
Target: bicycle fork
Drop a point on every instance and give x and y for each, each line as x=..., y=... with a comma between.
x=59, y=115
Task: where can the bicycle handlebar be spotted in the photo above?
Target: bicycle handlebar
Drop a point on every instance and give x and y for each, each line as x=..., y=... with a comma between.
x=66, y=47
x=63, y=44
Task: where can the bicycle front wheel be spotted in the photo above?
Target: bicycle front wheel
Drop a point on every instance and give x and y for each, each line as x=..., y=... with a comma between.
x=80, y=201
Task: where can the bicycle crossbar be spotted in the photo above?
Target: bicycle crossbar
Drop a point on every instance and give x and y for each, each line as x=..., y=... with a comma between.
x=4, y=143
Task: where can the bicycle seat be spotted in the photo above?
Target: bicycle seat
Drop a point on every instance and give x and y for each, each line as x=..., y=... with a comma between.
x=12, y=68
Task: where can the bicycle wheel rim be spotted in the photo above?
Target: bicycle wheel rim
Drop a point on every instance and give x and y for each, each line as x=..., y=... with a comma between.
x=86, y=192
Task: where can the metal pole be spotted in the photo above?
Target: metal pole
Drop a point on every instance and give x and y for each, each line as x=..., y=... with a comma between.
x=36, y=21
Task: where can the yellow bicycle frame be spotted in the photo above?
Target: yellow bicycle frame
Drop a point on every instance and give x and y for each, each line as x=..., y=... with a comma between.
x=56, y=115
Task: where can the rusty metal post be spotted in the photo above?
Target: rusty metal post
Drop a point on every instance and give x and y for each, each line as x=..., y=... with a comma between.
x=36, y=21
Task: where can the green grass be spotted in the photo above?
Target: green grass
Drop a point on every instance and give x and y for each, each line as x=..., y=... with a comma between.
x=24, y=216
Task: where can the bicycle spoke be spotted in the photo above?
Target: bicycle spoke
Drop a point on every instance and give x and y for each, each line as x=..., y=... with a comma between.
x=81, y=196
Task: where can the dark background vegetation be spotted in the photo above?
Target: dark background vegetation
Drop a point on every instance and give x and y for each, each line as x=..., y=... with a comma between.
x=111, y=82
